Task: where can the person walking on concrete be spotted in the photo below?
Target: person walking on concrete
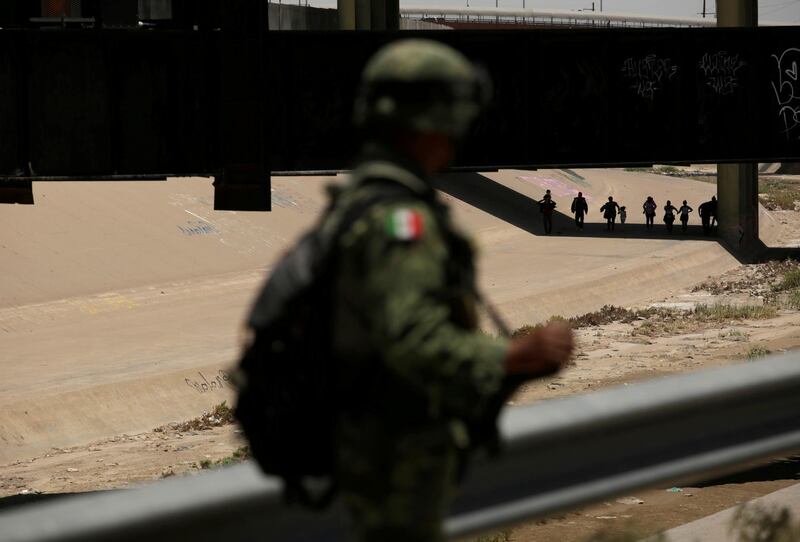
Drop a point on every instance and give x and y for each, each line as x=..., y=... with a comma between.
x=649, y=210
x=609, y=210
x=623, y=215
x=404, y=332
x=669, y=215
x=547, y=206
x=707, y=210
x=713, y=212
x=579, y=207
x=684, y=215
x=546, y=195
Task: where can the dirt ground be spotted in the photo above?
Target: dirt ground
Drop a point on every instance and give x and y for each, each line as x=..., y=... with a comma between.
x=664, y=341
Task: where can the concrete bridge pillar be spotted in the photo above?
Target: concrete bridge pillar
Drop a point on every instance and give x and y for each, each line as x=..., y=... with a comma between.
x=737, y=208
x=737, y=184
x=369, y=14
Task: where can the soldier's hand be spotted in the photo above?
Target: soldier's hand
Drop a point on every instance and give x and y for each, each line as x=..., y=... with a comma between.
x=542, y=352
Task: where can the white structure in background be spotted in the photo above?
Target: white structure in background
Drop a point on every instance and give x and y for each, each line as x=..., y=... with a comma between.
x=445, y=14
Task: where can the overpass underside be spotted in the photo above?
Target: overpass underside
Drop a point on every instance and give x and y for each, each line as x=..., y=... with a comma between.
x=212, y=92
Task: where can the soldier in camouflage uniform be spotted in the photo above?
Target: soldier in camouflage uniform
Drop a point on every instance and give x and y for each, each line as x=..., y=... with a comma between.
x=414, y=369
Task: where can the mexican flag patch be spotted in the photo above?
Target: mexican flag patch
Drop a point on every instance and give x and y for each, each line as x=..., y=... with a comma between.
x=405, y=225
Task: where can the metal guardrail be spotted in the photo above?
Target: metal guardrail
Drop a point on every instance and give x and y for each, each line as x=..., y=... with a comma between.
x=558, y=454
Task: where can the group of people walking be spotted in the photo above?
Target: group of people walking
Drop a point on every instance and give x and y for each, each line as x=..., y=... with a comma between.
x=707, y=211
x=649, y=210
x=611, y=209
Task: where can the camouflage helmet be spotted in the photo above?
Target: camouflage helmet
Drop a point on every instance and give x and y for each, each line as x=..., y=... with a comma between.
x=422, y=85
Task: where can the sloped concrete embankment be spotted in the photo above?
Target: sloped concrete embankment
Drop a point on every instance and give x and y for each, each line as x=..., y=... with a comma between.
x=34, y=425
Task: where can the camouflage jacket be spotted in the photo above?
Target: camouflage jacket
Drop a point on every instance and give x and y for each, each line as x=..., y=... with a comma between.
x=405, y=325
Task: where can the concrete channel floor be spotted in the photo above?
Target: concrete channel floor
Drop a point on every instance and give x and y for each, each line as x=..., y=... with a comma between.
x=121, y=303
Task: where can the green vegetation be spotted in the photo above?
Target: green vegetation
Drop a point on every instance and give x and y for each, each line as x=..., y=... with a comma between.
x=661, y=321
x=623, y=536
x=790, y=281
x=755, y=523
x=733, y=335
x=502, y=536
x=785, y=291
x=528, y=329
x=239, y=455
x=756, y=352
x=606, y=315
x=659, y=170
x=792, y=300
x=668, y=170
x=721, y=312
x=778, y=193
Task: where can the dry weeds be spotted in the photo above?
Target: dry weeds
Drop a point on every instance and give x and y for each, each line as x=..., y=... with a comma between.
x=756, y=280
x=220, y=415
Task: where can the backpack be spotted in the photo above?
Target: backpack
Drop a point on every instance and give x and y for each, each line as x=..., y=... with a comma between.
x=287, y=402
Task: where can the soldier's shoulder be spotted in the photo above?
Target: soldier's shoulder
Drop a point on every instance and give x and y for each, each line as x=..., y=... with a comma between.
x=404, y=221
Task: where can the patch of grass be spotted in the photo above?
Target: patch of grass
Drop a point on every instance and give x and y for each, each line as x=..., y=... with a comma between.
x=784, y=201
x=659, y=321
x=606, y=315
x=656, y=321
x=668, y=170
x=753, y=279
x=660, y=170
x=756, y=352
x=673, y=171
x=239, y=455
x=722, y=312
x=627, y=535
x=528, y=329
x=792, y=301
x=733, y=335
x=665, y=323
x=502, y=536
x=757, y=523
x=790, y=281
x=778, y=193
